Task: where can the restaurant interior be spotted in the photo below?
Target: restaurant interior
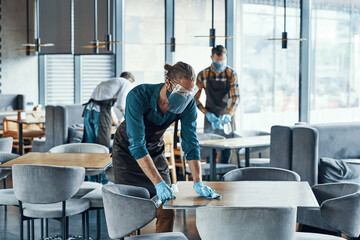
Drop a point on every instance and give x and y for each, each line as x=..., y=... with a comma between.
x=180, y=119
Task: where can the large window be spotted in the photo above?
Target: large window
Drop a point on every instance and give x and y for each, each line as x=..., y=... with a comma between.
x=192, y=28
x=336, y=59
x=144, y=40
x=269, y=75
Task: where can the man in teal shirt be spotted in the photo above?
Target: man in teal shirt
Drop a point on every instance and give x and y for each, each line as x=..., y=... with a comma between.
x=138, y=149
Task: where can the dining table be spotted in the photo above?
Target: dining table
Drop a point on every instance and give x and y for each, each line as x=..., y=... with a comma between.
x=232, y=144
x=246, y=194
x=92, y=162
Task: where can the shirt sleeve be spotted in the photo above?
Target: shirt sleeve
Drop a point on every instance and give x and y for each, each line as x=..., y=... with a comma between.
x=135, y=128
x=200, y=85
x=121, y=98
x=234, y=93
x=189, y=142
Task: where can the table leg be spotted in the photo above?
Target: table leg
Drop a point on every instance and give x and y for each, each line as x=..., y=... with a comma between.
x=247, y=157
x=21, y=139
x=213, y=164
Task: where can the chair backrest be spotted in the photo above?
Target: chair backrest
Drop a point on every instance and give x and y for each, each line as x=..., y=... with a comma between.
x=127, y=208
x=6, y=144
x=5, y=157
x=65, y=116
x=205, y=152
x=79, y=148
x=46, y=184
x=246, y=223
x=261, y=174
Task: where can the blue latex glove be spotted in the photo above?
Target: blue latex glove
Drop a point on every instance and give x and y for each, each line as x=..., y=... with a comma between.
x=226, y=118
x=205, y=191
x=217, y=124
x=211, y=117
x=163, y=191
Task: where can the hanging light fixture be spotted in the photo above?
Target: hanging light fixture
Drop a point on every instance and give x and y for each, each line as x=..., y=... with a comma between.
x=33, y=47
x=212, y=35
x=107, y=43
x=284, y=39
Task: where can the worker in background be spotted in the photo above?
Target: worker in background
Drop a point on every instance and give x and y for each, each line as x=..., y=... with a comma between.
x=138, y=150
x=221, y=87
x=98, y=113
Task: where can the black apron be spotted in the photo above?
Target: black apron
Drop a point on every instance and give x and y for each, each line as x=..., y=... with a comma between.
x=217, y=97
x=105, y=122
x=126, y=169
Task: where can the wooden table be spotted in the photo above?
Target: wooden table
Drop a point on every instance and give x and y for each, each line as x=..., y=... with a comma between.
x=233, y=143
x=246, y=193
x=20, y=124
x=90, y=161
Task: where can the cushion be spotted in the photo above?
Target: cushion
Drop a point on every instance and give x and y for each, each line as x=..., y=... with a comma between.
x=335, y=170
x=7, y=197
x=95, y=198
x=54, y=210
x=75, y=134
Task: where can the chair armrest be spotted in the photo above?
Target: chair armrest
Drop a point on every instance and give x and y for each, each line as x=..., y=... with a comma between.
x=327, y=191
x=5, y=157
x=343, y=213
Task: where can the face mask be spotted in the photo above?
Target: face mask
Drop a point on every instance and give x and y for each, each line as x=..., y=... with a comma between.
x=179, y=98
x=219, y=66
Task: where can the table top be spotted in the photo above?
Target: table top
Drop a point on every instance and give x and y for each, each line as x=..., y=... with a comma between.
x=247, y=193
x=26, y=121
x=235, y=143
x=87, y=160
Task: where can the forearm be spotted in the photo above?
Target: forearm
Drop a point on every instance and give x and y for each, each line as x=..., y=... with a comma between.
x=195, y=169
x=147, y=165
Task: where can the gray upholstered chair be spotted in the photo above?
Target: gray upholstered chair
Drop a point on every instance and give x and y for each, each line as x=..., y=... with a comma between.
x=261, y=174
x=7, y=196
x=221, y=168
x=129, y=208
x=254, y=162
x=45, y=192
x=339, y=207
x=6, y=144
x=5, y=157
x=248, y=223
x=89, y=190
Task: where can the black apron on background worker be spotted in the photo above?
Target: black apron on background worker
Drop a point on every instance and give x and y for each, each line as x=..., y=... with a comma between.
x=97, y=124
x=217, y=99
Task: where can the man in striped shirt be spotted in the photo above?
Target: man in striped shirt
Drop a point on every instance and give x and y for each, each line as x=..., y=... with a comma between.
x=221, y=87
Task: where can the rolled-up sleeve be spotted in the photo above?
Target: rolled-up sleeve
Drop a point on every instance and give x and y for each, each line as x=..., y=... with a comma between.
x=135, y=128
x=189, y=142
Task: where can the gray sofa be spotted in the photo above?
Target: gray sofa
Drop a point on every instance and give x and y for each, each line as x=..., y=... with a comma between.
x=10, y=102
x=58, y=120
x=299, y=148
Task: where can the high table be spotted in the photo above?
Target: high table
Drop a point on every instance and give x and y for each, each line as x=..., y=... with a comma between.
x=20, y=124
x=233, y=143
x=90, y=161
x=246, y=194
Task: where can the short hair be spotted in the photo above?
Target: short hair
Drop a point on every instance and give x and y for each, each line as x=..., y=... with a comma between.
x=218, y=50
x=128, y=75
